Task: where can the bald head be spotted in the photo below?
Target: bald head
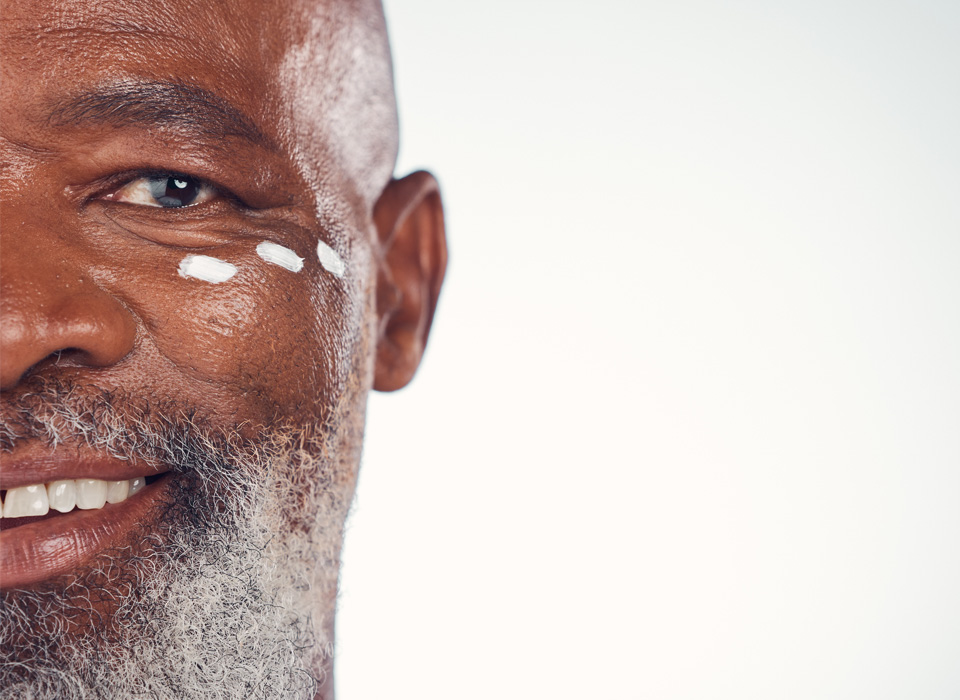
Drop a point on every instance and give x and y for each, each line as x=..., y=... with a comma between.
x=340, y=70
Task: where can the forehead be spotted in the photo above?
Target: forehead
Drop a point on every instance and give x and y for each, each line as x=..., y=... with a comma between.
x=235, y=49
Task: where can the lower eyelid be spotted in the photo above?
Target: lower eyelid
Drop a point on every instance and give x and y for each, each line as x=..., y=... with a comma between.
x=145, y=226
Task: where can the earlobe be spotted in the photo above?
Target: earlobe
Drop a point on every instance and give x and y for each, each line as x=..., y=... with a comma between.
x=412, y=263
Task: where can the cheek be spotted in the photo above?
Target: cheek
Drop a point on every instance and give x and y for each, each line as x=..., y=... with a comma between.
x=268, y=340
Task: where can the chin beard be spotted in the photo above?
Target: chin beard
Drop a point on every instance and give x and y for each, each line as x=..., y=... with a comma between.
x=229, y=597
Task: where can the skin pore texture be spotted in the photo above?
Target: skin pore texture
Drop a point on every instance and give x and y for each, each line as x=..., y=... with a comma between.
x=205, y=267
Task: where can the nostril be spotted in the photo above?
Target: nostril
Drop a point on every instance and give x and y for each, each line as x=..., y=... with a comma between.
x=67, y=353
x=58, y=359
x=69, y=357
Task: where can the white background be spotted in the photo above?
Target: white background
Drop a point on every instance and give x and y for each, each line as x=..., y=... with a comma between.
x=689, y=423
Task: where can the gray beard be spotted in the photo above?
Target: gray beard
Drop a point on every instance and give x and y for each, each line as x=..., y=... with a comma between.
x=219, y=601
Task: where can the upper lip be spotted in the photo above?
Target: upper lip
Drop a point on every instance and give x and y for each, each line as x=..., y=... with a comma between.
x=33, y=465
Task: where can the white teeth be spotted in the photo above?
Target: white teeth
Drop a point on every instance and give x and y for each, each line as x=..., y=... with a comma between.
x=26, y=501
x=62, y=494
x=91, y=493
x=136, y=485
x=117, y=491
x=65, y=494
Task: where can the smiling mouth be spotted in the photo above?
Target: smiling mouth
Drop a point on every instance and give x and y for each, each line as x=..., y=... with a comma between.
x=52, y=526
x=29, y=504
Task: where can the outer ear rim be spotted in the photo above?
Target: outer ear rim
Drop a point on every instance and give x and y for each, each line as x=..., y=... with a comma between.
x=411, y=236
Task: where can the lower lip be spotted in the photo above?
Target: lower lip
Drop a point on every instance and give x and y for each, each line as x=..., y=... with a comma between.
x=52, y=547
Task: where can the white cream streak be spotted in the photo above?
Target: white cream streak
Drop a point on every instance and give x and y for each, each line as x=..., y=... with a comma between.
x=205, y=268
x=331, y=262
x=278, y=255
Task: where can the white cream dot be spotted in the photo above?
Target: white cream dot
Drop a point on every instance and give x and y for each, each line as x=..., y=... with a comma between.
x=331, y=262
x=279, y=255
x=203, y=267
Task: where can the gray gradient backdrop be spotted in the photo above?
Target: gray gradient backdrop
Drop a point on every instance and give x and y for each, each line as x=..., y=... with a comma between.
x=689, y=425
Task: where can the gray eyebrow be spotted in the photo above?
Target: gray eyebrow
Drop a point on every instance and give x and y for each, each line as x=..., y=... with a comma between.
x=152, y=103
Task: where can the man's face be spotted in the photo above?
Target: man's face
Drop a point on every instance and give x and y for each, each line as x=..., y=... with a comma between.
x=205, y=268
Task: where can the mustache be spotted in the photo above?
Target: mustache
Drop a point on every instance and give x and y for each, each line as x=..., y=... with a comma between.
x=181, y=437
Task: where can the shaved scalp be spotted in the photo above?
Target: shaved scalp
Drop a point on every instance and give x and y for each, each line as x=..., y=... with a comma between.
x=344, y=110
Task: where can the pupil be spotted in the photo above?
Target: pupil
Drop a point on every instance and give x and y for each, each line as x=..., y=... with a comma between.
x=174, y=191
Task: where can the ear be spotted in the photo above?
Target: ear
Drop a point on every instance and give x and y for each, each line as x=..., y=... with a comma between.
x=412, y=262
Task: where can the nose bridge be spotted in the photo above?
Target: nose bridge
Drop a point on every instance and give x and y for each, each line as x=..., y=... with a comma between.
x=48, y=304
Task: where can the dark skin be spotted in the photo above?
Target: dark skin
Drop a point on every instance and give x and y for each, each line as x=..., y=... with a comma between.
x=284, y=113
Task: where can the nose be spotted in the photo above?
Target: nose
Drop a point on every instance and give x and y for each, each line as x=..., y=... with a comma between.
x=49, y=310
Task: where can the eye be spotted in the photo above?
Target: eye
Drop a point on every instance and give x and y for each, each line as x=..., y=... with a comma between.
x=166, y=190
